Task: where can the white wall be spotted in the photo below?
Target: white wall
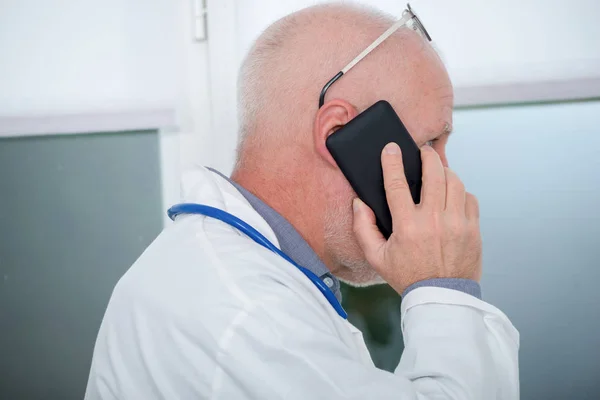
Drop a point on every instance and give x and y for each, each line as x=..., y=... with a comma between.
x=76, y=56
x=77, y=66
x=483, y=42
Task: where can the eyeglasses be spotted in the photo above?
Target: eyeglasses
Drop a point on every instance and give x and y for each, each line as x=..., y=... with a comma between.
x=409, y=19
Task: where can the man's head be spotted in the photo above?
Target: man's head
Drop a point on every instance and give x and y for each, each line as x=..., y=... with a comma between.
x=282, y=157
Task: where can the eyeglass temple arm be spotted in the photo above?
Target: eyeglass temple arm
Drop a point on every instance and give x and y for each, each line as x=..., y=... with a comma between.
x=401, y=22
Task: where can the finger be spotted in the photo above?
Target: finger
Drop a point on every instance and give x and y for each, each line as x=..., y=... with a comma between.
x=455, y=193
x=369, y=237
x=471, y=207
x=434, y=180
x=397, y=190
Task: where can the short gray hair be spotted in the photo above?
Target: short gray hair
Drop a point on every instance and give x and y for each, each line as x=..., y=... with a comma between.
x=263, y=57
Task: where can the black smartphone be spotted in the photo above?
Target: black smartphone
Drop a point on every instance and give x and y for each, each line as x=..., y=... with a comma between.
x=357, y=147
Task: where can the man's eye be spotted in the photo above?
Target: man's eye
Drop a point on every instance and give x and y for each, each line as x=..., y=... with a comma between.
x=429, y=142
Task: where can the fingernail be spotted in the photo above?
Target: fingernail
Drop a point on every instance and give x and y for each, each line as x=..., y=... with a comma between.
x=356, y=204
x=392, y=148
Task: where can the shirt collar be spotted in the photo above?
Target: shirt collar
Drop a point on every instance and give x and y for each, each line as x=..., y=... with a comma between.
x=290, y=241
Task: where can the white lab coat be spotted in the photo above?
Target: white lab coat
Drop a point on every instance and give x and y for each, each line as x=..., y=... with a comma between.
x=207, y=313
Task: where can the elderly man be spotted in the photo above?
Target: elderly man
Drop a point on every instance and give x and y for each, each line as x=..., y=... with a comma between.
x=211, y=311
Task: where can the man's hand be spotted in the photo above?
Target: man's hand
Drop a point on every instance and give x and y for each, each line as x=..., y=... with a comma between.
x=438, y=238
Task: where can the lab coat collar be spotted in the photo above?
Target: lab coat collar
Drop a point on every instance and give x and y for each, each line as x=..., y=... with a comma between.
x=290, y=241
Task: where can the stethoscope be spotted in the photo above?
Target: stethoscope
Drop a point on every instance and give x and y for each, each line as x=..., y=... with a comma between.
x=248, y=230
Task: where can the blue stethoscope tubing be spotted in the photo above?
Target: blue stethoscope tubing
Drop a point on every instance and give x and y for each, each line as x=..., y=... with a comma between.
x=248, y=230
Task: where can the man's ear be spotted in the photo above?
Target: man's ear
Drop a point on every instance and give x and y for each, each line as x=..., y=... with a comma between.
x=330, y=117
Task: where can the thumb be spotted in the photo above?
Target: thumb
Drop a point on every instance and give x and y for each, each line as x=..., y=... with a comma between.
x=370, y=239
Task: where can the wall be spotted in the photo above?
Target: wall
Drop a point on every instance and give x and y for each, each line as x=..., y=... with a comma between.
x=77, y=206
x=70, y=56
x=75, y=213
x=535, y=172
x=77, y=66
x=482, y=42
